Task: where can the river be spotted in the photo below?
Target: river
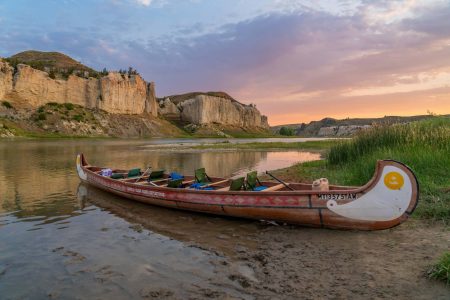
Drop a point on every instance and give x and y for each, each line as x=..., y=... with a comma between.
x=60, y=239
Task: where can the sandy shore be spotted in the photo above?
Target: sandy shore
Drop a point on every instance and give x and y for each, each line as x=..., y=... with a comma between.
x=258, y=260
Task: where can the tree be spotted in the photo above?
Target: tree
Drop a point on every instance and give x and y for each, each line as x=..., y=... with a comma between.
x=51, y=74
x=287, y=131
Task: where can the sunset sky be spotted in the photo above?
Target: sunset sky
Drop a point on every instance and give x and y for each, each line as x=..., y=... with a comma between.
x=296, y=60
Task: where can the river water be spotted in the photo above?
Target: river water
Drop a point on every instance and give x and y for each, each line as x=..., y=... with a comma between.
x=60, y=239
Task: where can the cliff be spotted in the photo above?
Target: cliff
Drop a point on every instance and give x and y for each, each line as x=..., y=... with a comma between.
x=206, y=109
x=114, y=93
x=32, y=80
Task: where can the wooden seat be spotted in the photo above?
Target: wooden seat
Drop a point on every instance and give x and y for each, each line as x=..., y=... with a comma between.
x=215, y=183
x=274, y=188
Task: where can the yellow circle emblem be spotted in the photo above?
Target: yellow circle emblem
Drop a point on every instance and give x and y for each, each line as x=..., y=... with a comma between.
x=394, y=180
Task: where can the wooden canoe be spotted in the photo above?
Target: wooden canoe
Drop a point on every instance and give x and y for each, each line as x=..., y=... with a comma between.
x=385, y=201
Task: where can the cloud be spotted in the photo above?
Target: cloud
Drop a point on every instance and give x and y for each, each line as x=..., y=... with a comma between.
x=144, y=2
x=295, y=62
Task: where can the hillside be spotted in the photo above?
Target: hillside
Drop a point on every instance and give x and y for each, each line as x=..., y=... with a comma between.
x=349, y=126
x=35, y=86
x=49, y=59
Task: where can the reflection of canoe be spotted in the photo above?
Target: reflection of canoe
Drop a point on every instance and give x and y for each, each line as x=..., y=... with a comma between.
x=192, y=229
x=385, y=201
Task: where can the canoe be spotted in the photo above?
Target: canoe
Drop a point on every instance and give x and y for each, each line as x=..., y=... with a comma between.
x=387, y=200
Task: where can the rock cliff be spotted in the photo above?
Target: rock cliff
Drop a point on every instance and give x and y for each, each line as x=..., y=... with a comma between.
x=114, y=93
x=204, y=109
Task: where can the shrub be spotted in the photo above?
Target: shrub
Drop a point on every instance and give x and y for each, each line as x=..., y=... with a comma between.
x=40, y=109
x=287, y=131
x=7, y=104
x=78, y=118
x=41, y=116
x=69, y=106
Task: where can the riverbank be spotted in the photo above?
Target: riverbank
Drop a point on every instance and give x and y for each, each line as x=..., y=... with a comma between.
x=424, y=146
x=265, y=261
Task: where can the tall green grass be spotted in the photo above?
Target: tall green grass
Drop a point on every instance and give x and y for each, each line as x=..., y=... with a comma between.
x=424, y=146
x=433, y=134
x=441, y=270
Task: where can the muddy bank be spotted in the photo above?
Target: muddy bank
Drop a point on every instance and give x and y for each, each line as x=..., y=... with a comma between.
x=263, y=261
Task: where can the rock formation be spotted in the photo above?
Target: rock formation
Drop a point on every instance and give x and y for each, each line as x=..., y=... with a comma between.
x=114, y=93
x=205, y=109
x=345, y=130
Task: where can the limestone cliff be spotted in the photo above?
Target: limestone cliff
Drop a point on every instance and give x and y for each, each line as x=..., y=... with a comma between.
x=6, y=78
x=114, y=93
x=203, y=109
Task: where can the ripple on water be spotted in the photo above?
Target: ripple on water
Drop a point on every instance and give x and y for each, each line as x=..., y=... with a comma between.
x=103, y=246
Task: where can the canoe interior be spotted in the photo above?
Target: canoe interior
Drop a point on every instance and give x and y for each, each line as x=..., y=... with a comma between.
x=217, y=183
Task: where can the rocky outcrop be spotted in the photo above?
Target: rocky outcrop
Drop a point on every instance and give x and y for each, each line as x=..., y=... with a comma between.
x=206, y=109
x=114, y=93
x=342, y=130
x=6, y=78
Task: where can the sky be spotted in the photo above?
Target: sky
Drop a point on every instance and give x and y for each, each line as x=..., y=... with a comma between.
x=298, y=61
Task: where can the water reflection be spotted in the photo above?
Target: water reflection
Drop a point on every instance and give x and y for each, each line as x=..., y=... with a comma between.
x=39, y=179
x=210, y=231
x=112, y=247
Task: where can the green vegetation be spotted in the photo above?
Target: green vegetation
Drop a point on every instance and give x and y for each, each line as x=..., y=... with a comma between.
x=287, y=131
x=424, y=146
x=58, y=65
x=7, y=104
x=78, y=118
x=69, y=106
x=441, y=270
x=41, y=116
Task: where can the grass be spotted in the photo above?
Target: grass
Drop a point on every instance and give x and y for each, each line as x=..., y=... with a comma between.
x=424, y=146
x=441, y=270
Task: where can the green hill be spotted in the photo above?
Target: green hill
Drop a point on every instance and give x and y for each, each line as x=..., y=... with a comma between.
x=50, y=60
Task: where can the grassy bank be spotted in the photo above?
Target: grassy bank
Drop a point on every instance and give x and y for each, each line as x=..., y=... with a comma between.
x=441, y=270
x=424, y=146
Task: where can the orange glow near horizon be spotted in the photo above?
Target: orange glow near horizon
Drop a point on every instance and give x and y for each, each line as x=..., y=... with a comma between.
x=360, y=108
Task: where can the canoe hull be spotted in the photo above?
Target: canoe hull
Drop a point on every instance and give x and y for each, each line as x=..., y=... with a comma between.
x=306, y=208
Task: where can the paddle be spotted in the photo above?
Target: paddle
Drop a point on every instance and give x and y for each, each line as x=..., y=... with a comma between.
x=280, y=181
x=143, y=174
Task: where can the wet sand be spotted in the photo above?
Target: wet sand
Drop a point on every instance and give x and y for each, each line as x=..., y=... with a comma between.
x=259, y=260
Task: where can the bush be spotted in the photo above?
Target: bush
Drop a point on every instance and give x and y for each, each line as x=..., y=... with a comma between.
x=287, y=131
x=69, y=106
x=41, y=116
x=40, y=109
x=7, y=104
x=78, y=118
